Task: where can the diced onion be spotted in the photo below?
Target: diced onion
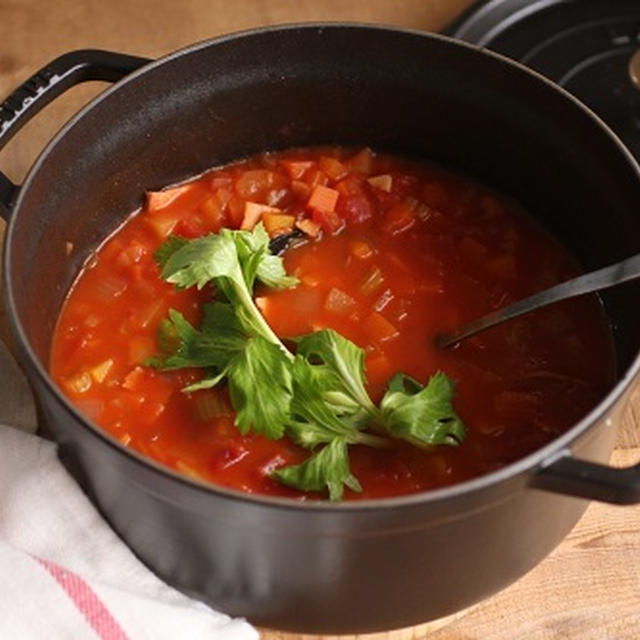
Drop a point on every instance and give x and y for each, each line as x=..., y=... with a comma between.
x=383, y=182
x=101, y=371
x=338, y=301
x=80, y=382
x=110, y=287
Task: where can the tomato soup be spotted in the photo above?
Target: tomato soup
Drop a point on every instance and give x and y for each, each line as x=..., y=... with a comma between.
x=388, y=253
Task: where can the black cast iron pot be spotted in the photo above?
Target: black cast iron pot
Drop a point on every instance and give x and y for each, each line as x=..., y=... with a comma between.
x=320, y=567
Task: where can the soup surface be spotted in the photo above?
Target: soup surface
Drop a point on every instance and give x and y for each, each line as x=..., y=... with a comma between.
x=390, y=252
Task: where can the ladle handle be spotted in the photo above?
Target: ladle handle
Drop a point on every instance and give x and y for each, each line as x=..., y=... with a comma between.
x=48, y=83
x=570, y=476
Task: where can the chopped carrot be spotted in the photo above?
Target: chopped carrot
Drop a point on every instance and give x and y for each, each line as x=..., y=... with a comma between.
x=253, y=212
x=157, y=200
x=323, y=198
x=378, y=328
x=309, y=227
x=383, y=182
x=276, y=223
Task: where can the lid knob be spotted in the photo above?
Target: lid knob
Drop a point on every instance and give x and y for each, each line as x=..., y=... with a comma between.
x=634, y=69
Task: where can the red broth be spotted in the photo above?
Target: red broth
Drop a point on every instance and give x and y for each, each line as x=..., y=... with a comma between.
x=395, y=252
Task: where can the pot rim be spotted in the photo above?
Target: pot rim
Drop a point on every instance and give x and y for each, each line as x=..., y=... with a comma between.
x=527, y=464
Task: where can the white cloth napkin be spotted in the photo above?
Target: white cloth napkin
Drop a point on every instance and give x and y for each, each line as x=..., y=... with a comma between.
x=65, y=573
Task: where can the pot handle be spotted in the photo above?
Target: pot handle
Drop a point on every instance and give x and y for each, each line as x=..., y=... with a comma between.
x=573, y=477
x=51, y=81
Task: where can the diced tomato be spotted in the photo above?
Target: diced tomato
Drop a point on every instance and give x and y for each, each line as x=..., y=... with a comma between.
x=356, y=209
x=254, y=184
x=352, y=185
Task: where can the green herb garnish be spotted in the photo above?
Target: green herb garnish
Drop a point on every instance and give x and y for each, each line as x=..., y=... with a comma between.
x=316, y=395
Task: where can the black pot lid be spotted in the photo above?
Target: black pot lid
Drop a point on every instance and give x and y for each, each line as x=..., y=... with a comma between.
x=586, y=46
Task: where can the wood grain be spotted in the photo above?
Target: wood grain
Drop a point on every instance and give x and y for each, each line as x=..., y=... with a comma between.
x=589, y=588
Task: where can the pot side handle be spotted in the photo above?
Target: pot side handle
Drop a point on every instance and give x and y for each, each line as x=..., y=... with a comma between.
x=51, y=81
x=573, y=477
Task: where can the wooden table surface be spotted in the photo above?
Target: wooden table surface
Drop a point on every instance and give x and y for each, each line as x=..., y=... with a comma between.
x=589, y=588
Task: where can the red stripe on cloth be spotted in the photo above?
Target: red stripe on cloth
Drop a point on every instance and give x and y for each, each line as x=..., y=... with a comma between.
x=86, y=601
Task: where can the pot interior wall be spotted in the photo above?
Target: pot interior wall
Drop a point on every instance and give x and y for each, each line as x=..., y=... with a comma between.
x=353, y=86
